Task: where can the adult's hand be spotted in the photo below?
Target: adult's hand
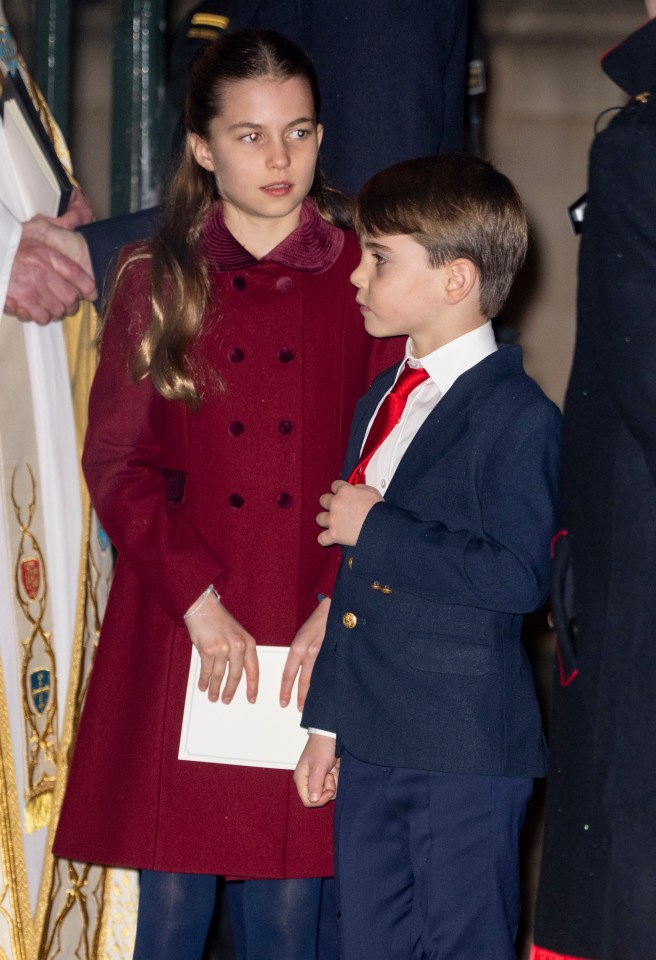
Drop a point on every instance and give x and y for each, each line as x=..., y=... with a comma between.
x=78, y=212
x=51, y=272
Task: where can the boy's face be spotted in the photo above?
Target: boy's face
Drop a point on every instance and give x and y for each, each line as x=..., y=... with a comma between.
x=400, y=293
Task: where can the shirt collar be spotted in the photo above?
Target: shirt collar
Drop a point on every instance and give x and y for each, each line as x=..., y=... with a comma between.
x=447, y=363
x=312, y=247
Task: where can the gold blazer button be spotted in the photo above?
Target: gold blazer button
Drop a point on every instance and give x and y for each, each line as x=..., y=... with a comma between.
x=349, y=620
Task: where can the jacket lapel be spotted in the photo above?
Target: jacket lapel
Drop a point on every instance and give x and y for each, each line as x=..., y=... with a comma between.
x=449, y=421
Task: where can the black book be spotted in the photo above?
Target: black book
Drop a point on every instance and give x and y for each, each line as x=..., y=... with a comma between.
x=42, y=180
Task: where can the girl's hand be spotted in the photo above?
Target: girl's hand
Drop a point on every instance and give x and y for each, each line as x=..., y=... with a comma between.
x=302, y=654
x=222, y=642
x=317, y=771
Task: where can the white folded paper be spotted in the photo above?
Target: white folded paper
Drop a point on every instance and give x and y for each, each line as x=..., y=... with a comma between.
x=260, y=734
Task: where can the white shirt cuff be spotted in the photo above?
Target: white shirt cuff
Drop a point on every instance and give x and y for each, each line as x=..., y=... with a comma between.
x=324, y=733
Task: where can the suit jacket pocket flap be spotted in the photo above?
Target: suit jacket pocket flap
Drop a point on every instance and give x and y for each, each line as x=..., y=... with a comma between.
x=439, y=653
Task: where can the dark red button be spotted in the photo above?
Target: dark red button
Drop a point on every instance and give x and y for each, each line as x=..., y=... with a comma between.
x=286, y=355
x=285, y=500
x=236, y=355
x=236, y=428
x=236, y=501
x=239, y=283
x=284, y=284
x=285, y=427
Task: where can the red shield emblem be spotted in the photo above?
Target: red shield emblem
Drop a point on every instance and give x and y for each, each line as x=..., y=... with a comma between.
x=30, y=572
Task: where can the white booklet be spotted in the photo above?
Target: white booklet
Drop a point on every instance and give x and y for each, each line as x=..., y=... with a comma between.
x=260, y=734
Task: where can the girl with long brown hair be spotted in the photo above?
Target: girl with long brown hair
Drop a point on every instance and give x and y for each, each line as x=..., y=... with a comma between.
x=232, y=356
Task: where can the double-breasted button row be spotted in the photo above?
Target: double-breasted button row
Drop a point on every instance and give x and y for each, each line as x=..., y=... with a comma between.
x=285, y=427
x=237, y=355
x=284, y=500
x=283, y=284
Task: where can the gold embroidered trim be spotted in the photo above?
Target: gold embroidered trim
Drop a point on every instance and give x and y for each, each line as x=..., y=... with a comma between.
x=38, y=668
x=75, y=908
x=110, y=921
x=15, y=898
x=118, y=929
x=47, y=118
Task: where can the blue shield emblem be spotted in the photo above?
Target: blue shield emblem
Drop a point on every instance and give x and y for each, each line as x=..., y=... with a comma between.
x=40, y=689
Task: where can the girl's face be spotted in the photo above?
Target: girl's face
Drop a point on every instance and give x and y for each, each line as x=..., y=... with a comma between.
x=262, y=150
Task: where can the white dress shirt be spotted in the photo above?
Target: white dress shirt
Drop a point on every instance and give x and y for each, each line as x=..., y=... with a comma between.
x=443, y=366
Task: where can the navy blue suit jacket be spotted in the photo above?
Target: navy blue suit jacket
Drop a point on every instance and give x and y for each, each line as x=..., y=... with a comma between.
x=422, y=664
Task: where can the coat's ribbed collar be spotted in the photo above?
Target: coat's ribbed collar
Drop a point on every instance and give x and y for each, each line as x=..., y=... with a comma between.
x=313, y=247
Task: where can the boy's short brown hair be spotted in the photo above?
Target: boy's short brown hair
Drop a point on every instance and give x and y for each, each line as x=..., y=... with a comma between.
x=454, y=206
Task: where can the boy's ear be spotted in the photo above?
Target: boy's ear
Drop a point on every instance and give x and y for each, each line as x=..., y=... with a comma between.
x=201, y=151
x=461, y=278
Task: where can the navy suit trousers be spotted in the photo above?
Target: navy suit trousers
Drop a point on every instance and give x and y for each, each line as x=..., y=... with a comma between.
x=427, y=864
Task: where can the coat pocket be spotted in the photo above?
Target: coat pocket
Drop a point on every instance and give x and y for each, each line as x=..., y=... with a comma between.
x=441, y=653
x=174, y=482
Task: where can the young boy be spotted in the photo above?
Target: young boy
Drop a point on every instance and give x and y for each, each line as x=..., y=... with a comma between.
x=446, y=522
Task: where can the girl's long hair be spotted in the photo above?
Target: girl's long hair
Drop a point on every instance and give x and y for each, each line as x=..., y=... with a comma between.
x=180, y=282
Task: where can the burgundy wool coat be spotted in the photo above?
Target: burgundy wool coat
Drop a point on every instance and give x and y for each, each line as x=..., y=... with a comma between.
x=227, y=495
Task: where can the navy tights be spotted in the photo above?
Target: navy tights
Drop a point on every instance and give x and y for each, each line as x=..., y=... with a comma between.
x=270, y=919
x=175, y=911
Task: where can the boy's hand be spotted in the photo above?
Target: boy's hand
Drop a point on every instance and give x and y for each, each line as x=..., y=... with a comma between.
x=345, y=510
x=302, y=654
x=317, y=771
x=223, y=644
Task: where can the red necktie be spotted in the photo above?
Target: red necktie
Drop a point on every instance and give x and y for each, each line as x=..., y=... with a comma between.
x=389, y=414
